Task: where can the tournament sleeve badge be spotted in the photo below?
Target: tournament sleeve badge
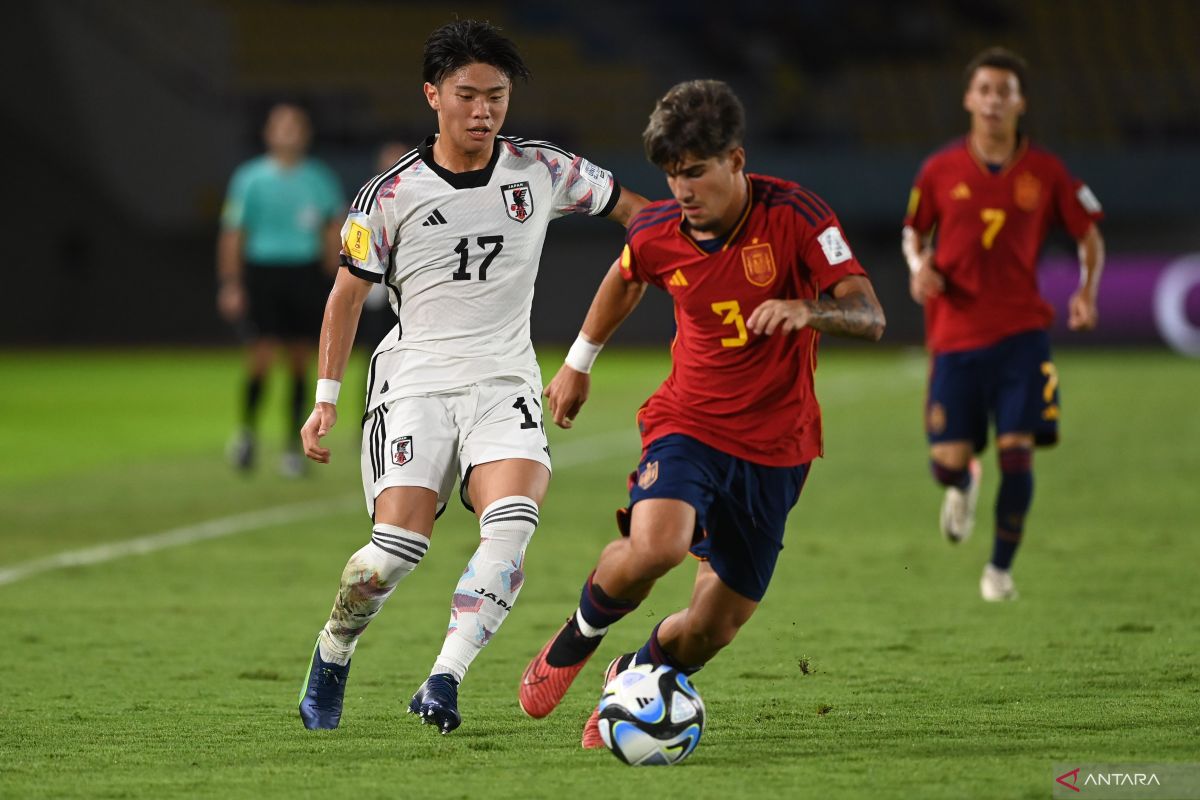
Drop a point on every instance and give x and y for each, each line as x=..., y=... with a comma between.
x=358, y=242
x=759, y=263
x=834, y=246
x=518, y=200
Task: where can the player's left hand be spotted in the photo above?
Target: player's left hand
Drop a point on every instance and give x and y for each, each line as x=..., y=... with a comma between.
x=1082, y=314
x=784, y=315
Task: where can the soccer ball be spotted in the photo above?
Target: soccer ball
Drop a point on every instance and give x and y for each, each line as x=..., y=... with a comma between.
x=651, y=715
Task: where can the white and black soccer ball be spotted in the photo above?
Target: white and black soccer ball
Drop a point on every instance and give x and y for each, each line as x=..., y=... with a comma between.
x=651, y=715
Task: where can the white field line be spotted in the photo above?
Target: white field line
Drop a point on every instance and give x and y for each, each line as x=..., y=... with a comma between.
x=570, y=453
x=842, y=389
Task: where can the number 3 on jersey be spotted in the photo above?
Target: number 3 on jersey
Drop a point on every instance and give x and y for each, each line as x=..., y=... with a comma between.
x=733, y=316
x=464, y=254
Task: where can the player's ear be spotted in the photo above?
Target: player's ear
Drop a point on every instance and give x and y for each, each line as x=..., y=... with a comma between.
x=737, y=159
x=431, y=97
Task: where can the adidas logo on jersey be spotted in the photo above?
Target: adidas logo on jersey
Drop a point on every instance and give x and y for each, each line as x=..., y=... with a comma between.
x=435, y=218
x=677, y=279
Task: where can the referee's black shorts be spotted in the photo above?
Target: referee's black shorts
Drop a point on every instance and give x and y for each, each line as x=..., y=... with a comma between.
x=286, y=301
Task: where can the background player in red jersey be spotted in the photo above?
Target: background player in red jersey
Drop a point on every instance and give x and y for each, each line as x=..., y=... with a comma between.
x=991, y=198
x=757, y=267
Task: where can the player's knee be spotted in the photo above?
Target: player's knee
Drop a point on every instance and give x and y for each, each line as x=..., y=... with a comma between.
x=655, y=557
x=392, y=553
x=1015, y=459
x=512, y=520
x=953, y=456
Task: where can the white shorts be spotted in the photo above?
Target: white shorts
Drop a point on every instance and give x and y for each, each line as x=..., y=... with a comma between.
x=428, y=440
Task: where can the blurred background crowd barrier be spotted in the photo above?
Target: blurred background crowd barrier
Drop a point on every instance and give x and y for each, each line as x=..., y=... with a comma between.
x=125, y=119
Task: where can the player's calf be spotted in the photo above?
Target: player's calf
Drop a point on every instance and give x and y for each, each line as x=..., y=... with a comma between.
x=1013, y=500
x=957, y=518
x=490, y=584
x=367, y=581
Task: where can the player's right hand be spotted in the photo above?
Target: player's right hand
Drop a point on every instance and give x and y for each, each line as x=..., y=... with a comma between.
x=231, y=301
x=566, y=394
x=320, y=422
x=926, y=282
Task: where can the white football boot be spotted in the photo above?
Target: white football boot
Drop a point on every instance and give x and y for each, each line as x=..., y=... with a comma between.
x=996, y=585
x=958, y=507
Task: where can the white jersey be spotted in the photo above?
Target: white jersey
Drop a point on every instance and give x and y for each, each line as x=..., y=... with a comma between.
x=459, y=253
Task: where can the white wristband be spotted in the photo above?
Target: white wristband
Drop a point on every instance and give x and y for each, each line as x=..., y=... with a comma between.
x=582, y=355
x=327, y=391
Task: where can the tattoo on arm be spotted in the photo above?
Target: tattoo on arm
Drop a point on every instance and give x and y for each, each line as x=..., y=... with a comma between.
x=852, y=315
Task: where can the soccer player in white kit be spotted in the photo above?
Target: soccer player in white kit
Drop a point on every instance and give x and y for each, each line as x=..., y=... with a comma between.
x=454, y=230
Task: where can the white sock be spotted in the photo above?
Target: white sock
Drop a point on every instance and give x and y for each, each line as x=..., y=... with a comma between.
x=489, y=586
x=368, y=579
x=590, y=631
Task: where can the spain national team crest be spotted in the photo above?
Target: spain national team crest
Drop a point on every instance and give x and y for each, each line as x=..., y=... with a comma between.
x=518, y=201
x=936, y=419
x=759, y=263
x=649, y=475
x=402, y=450
x=1027, y=192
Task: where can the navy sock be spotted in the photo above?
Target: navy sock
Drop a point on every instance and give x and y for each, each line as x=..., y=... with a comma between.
x=1012, y=503
x=958, y=478
x=598, y=609
x=652, y=652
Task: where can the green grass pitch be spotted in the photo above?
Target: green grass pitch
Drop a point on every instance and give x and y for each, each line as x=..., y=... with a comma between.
x=872, y=668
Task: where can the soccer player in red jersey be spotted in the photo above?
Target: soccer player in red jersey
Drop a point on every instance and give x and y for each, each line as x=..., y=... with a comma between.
x=989, y=199
x=758, y=268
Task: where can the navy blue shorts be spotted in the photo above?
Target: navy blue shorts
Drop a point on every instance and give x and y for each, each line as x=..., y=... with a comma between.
x=1012, y=383
x=741, y=507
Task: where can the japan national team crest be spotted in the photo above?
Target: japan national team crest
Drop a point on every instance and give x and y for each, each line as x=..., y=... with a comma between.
x=759, y=263
x=518, y=201
x=1027, y=192
x=402, y=450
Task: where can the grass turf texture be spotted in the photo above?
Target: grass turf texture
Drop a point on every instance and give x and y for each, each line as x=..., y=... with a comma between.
x=872, y=668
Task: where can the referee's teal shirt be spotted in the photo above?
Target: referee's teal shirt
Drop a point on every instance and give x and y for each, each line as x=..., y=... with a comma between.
x=282, y=211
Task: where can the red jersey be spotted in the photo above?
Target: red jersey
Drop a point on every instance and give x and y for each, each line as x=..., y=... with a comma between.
x=990, y=228
x=747, y=395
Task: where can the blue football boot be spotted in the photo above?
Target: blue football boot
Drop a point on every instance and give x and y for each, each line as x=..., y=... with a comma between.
x=321, y=697
x=436, y=702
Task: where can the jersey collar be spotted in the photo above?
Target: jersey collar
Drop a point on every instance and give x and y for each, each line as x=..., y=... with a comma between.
x=473, y=179
x=1017, y=155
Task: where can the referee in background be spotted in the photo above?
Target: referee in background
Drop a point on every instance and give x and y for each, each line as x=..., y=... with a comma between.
x=276, y=255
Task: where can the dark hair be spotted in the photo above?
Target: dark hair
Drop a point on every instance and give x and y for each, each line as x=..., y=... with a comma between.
x=701, y=119
x=998, y=58
x=467, y=41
